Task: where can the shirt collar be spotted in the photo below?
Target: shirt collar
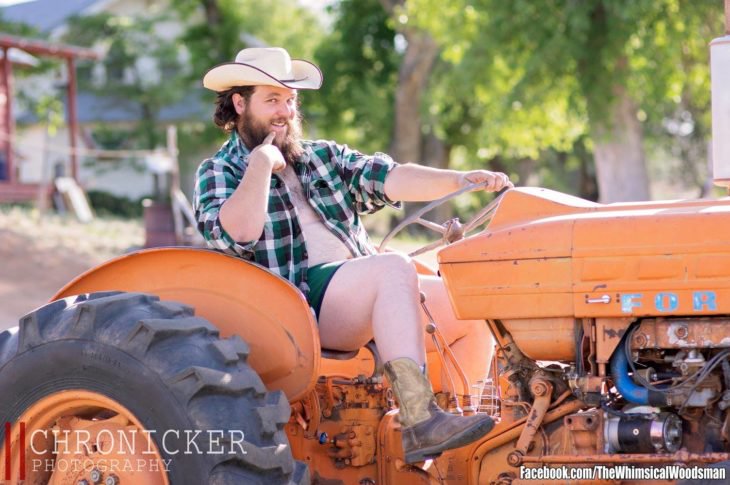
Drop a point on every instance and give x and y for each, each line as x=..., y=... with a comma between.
x=238, y=149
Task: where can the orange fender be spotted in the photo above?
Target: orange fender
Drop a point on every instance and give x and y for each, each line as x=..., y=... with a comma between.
x=237, y=296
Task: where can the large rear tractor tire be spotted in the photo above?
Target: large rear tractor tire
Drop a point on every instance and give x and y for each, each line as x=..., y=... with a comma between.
x=152, y=366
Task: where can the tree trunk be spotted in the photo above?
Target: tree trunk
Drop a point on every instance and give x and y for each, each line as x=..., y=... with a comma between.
x=413, y=74
x=435, y=151
x=212, y=12
x=587, y=183
x=527, y=174
x=408, y=141
x=412, y=82
x=619, y=152
x=615, y=130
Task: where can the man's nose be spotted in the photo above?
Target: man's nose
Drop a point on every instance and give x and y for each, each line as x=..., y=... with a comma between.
x=286, y=110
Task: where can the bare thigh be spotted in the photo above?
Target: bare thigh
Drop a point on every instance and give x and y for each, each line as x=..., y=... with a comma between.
x=345, y=320
x=345, y=317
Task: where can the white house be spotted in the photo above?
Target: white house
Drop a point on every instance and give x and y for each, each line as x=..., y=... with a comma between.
x=40, y=155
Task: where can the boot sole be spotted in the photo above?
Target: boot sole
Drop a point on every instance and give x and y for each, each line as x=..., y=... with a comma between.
x=456, y=441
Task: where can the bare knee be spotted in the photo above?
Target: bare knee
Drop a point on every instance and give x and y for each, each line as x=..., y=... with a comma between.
x=397, y=268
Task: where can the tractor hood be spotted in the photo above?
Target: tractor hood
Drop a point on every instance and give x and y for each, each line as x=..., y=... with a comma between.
x=551, y=255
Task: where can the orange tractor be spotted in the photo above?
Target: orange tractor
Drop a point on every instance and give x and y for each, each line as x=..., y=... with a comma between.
x=612, y=325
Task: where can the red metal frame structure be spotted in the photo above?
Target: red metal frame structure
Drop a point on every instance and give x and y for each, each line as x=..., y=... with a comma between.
x=11, y=190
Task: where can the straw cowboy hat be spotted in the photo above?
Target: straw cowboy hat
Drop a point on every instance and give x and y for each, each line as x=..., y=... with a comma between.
x=269, y=66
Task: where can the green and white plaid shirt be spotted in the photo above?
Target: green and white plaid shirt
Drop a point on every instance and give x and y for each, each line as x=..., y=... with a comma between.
x=338, y=182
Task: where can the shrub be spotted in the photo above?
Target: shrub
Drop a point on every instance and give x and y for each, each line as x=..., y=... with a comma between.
x=105, y=203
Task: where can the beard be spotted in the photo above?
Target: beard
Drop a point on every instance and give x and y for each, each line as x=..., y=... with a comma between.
x=254, y=130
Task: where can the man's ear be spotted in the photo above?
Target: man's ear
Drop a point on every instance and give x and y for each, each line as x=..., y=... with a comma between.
x=239, y=103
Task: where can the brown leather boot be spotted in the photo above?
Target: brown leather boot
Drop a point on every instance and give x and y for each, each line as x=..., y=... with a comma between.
x=427, y=430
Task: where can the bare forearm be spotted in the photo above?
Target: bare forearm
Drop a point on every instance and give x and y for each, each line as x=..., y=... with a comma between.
x=244, y=213
x=410, y=182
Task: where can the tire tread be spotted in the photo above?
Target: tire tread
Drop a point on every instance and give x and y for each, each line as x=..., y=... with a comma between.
x=209, y=376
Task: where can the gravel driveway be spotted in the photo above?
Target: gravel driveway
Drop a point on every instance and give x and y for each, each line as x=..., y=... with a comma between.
x=38, y=256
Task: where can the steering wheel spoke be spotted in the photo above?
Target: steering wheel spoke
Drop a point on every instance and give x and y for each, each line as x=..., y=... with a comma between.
x=428, y=247
x=452, y=230
x=481, y=217
x=431, y=225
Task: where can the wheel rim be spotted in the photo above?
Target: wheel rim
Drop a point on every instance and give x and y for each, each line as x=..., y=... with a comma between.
x=83, y=435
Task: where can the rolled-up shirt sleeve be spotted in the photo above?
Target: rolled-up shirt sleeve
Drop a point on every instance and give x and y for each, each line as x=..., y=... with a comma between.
x=215, y=183
x=365, y=178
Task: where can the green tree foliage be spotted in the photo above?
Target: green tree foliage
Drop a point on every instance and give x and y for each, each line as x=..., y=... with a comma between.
x=215, y=30
x=28, y=100
x=142, y=70
x=19, y=29
x=50, y=109
x=678, y=116
x=541, y=74
x=470, y=102
x=481, y=98
x=360, y=66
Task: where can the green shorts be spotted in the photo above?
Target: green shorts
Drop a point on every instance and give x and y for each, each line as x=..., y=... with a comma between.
x=318, y=278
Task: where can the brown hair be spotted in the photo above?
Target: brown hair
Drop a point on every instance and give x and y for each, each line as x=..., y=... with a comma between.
x=225, y=115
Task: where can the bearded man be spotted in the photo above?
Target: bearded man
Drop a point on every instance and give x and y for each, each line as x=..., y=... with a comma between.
x=293, y=206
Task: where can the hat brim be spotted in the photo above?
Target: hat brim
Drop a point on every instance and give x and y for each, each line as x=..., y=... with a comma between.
x=231, y=74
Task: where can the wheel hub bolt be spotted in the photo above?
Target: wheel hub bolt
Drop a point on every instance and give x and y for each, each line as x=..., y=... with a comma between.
x=95, y=476
x=111, y=480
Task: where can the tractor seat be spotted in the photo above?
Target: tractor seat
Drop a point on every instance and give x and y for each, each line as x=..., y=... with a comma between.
x=339, y=354
x=351, y=354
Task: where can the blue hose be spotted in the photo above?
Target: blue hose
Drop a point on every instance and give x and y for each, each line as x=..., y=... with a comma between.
x=631, y=391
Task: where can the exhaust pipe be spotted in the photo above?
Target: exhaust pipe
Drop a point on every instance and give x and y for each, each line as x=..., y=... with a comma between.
x=720, y=79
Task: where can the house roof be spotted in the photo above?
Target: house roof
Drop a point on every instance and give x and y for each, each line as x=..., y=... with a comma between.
x=92, y=108
x=45, y=15
x=198, y=104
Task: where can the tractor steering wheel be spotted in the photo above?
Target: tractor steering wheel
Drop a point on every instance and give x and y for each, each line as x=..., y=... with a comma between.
x=452, y=230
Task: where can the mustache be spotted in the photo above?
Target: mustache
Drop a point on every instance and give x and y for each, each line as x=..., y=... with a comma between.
x=255, y=131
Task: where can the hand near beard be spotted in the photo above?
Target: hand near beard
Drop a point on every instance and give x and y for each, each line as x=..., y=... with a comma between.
x=268, y=153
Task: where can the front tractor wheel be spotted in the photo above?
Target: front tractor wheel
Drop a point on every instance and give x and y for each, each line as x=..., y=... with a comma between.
x=121, y=388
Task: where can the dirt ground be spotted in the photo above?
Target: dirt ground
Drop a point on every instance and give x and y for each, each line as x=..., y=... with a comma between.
x=39, y=255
